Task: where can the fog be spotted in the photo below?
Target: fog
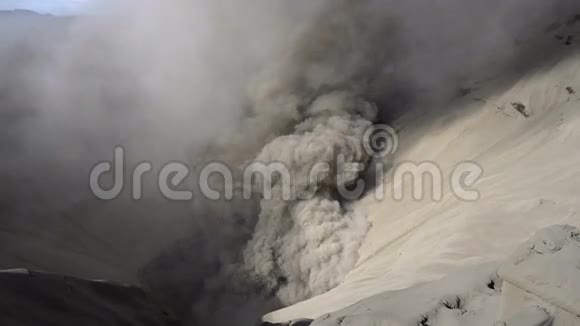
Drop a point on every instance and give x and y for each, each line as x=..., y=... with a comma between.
x=194, y=81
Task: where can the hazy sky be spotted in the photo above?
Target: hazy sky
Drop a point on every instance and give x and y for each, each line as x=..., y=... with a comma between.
x=46, y=6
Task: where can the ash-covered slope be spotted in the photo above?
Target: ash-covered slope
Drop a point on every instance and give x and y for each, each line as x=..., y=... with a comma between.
x=32, y=298
x=485, y=295
x=520, y=127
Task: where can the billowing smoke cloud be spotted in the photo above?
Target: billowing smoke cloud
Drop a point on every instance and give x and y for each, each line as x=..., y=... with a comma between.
x=270, y=81
x=306, y=246
x=311, y=244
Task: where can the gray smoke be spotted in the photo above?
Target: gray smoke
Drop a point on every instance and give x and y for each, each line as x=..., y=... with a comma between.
x=306, y=246
x=312, y=244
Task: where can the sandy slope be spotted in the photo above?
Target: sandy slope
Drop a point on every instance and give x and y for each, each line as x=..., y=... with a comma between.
x=531, y=180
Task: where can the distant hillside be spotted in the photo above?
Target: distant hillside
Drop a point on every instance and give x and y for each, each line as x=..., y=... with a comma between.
x=21, y=12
